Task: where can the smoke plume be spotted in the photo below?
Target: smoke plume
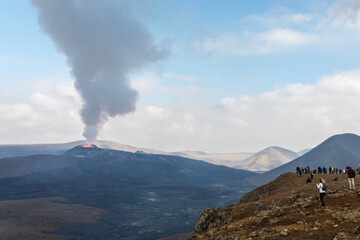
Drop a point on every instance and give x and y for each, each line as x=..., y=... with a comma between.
x=103, y=42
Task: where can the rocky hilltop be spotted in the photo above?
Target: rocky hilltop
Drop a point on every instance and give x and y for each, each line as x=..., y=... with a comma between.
x=287, y=208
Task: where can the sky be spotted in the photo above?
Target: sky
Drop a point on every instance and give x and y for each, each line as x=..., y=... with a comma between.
x=237, y=76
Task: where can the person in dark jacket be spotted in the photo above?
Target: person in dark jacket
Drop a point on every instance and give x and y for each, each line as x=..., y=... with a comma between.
x=351, y=178
x=308, y=180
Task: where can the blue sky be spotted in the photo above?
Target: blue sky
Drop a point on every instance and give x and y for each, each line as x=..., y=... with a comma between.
x=240, y=76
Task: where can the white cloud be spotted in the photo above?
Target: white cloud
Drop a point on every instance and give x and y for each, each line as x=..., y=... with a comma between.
x=249, y=43
x=42, y=99
x=295, y=116
x=20, y=114
x=286, y=37
x=299, y=18
x=275, y=19
x=50, y=114
x=344, y=13
x=228, y=101
x=156, y=112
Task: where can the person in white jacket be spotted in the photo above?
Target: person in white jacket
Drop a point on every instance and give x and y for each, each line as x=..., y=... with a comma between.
x=322, y=190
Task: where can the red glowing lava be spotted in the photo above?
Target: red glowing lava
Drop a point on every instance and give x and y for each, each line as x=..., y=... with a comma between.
x=87, y=146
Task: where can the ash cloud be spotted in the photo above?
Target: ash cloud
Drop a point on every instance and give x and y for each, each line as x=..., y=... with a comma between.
x=103, y=42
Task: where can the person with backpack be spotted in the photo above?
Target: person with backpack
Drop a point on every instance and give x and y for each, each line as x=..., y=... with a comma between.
x=351, y=178
x=322, y=190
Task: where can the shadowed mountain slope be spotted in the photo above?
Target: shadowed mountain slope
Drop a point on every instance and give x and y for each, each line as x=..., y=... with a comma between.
x=337, y=151
x=302, y=152
x=147, y=196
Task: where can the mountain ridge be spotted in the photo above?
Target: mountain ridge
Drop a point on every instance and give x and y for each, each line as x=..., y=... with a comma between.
x=18, y=150
x=267, y=159
x=337, y=151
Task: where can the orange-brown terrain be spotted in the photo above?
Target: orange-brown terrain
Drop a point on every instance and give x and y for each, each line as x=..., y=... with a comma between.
x=287, y=208
x=38, y=218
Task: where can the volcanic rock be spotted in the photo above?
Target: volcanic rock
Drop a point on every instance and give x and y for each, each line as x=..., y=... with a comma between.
x=286, y=208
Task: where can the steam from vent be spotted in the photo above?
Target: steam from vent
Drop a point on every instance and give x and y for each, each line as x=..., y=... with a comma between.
x=103, y=43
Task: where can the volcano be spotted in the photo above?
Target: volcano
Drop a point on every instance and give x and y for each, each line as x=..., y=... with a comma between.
x=146, y=196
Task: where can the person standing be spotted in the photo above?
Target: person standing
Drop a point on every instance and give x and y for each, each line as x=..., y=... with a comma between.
x=322, y=190
x=351, y=178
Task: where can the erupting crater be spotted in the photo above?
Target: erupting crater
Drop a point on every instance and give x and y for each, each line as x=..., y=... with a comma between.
x=88, y=146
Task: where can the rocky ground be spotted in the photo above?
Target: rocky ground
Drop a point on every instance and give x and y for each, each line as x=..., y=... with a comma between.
x=287, y=208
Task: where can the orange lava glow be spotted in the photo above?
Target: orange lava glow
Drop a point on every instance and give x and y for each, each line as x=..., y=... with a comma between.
x=87, y=146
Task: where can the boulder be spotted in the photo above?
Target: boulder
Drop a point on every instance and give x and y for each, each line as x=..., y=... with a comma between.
x=340, y=236
x=212, y=218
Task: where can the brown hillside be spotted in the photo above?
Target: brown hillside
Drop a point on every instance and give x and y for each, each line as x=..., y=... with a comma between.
x=287, y=208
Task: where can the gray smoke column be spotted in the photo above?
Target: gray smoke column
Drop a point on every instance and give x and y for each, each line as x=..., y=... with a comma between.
x=103, y=42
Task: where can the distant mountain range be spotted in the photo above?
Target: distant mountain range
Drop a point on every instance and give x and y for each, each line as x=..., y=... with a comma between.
x=267, y=159
x=263, y=161
x=337, y=151
x=146, y=196
x=225, y=159
x=16, y=150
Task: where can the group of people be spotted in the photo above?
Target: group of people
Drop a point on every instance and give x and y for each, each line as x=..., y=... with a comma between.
x=323, y=170
x=322, y=184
